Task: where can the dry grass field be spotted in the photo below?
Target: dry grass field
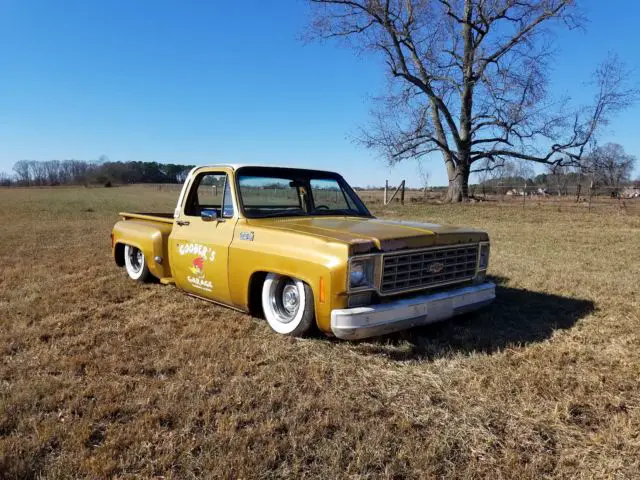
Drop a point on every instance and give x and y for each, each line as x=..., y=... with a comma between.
x=102, y=377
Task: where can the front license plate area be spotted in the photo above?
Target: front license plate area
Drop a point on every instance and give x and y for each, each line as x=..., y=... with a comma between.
x=440, y=310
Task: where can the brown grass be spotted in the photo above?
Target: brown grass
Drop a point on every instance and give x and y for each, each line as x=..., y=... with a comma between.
x=104, y=377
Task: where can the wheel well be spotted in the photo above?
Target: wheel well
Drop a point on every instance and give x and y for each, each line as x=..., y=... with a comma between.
x=255, y=294
x=118, y=254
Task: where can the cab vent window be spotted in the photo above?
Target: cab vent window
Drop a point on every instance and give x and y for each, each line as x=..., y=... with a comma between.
x=227, y=207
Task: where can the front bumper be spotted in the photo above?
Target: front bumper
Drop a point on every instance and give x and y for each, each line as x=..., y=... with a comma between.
x=374, y=320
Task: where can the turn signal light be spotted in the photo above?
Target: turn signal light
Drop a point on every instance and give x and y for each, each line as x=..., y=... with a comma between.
x=322, y=297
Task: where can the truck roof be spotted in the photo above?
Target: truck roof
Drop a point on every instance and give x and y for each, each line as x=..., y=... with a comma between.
x=236, y=166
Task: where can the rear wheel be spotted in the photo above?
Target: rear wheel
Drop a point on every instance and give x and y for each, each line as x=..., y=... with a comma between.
x=288, y=305
x=136, y=264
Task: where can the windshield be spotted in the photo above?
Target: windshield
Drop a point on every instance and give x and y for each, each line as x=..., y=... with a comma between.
x=280, y=192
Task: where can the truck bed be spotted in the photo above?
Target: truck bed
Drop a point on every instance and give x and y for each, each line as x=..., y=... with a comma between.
x=154, y=217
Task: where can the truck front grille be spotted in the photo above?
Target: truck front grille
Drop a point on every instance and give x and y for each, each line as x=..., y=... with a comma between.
x=418, y=269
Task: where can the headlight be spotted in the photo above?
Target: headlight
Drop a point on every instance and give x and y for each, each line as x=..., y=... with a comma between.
x=357, y=274
x=361, y=273
x=483, y=261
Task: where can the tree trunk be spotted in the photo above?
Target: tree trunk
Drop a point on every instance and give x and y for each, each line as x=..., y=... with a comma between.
x=459, y=177
x=458, y=184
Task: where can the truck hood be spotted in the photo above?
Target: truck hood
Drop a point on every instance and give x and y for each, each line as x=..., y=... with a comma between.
x=374, y=233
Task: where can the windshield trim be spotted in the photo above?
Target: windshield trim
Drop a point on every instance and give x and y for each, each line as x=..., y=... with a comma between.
x=303, y=172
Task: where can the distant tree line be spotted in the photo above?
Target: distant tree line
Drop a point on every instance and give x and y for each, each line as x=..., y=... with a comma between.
x=82, y=172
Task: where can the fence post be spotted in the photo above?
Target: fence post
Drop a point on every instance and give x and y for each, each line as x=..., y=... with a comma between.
x=524, y=195
x=621, y=204
x=386, y=189
x=399, y=188
x=578, y=194
x=591, y=189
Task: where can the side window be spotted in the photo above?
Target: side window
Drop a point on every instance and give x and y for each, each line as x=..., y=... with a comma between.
x=210, y=190
x=327, y=192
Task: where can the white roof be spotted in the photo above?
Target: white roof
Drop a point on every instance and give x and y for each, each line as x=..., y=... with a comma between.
x=236, y=166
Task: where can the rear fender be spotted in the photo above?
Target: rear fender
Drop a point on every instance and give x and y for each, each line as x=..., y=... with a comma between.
x=150, y=239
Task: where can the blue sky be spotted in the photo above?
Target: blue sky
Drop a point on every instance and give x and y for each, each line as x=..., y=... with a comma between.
x=225, y=81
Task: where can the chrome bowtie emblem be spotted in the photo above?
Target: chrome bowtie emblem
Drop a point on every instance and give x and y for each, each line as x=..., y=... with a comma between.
x=435, y=267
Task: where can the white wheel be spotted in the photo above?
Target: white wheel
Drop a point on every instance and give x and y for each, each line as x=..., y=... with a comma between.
x=135, y=263
x=288, y=305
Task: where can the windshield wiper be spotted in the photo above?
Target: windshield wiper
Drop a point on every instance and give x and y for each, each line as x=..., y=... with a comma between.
x=338, y=211
x=282, y=213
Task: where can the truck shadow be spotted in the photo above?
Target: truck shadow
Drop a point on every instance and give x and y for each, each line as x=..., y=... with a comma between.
x=517, y=317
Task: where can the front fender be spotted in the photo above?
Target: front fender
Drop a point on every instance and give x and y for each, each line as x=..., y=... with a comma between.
x=319, y=262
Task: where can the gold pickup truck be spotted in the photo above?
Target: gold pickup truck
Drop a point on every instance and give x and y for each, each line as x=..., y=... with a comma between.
x=301, y=249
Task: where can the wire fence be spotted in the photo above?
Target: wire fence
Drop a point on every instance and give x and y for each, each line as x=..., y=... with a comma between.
x=589, y=198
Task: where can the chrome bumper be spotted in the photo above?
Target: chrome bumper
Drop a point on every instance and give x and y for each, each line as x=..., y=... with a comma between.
x=371, y=321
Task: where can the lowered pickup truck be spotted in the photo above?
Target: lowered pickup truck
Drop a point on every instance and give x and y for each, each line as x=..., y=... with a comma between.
x=301, y=249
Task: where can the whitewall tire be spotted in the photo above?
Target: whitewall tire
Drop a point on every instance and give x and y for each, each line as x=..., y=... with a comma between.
x=136, y=264
x=288, y=305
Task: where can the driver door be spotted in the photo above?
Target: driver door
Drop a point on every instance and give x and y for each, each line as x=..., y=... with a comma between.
x=201, y=236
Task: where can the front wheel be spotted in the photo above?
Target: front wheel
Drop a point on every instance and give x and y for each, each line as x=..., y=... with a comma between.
x=288, y=305
x=136, y=264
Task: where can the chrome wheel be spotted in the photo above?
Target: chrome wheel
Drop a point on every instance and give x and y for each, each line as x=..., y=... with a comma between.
x=136, y=258
x=288, y=304
x=135, y=263
x=285, y=300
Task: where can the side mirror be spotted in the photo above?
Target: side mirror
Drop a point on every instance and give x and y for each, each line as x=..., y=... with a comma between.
x=209, y=214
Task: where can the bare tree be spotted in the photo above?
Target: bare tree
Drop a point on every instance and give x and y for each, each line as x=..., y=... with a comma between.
x=5, y=180
x=52, y=172
x=559, y=175
x=610, y=165
x=80, y=170
x=424, y=175
x=23, y=175
x=37, y=172
x=469, y=80
x=525, y=171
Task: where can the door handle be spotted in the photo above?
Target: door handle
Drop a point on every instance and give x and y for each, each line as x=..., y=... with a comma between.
x=182, y=223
